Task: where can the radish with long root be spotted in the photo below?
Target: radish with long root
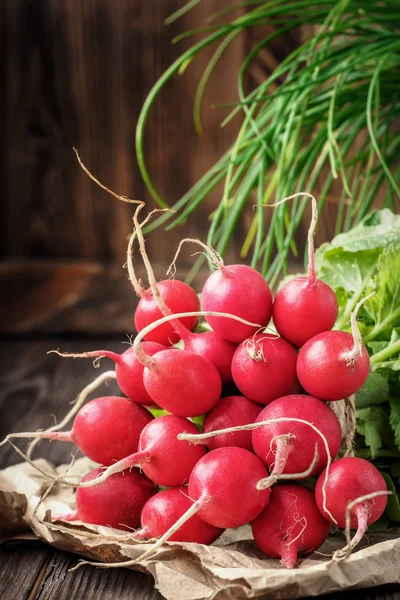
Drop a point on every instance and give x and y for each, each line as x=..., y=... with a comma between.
x=207, y=344
x=179, y=296
x=116, y=503
x=106, y=429
x=235, y=289
x=128, y=370
x=181, y=382
x=354, y=484
x=77, y=405
x=162, y=511
x=162, y=457
x=231, y=411
x=290, y=524
x=223, y=489
x=334, y=364
x=304, y=306
x=264, y=368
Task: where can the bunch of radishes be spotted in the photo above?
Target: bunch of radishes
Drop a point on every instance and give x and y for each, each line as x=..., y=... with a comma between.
x=276, y=426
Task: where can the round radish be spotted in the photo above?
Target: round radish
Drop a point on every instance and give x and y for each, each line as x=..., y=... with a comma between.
x=329, y=367
x=304, y=306
x=230, y=412
x=164, y=509
x=290, y=524
x=264, y=368
x=106, y=429
x=239, y=290
x=179, y=297
x=349, y=479
x=224, y=482
x=161, y=456
x=116, y=503
x=289, y=447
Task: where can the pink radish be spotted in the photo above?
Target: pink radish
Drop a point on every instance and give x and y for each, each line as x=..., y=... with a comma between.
x=335, y=364
x=128, y=370
x=222, y=486
x=116, y=503
x=264, y=368
x=105, y=429
x=208, y=344
x=290, y=524
x=288, y=447
x=349, y=480
x=235, y=289
x=230, y=412
x=162, y=457
x=164, y=509
x=183, y=383
x=304, y=306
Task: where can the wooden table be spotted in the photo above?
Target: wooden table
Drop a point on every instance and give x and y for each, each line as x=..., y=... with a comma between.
x=35, y=386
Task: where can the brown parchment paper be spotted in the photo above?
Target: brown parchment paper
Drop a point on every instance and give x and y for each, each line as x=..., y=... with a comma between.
x=231, y=568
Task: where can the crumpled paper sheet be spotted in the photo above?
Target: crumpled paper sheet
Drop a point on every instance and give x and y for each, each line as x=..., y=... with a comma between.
x=231, y=568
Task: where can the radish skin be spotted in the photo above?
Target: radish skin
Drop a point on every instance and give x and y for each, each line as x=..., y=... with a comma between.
x=264, y=368
x=290, y=524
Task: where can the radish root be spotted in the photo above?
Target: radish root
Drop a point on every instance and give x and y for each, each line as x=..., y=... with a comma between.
x=362, y=518
x=137, y=458
x=214, y=256
x=268, y=482
x=312, y=278
x=196, y=438
x=80, y=400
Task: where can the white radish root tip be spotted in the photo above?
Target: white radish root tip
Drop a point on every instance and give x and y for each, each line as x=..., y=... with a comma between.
x=356, y=351
x=214, y=256
x=312, y=278
x=362, y=518
x=274, y=477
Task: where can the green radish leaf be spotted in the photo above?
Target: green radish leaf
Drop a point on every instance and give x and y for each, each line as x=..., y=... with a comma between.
x=393, y=505
x=374, y=391
x=395, y=419
x=395, y=470
x=373, y=424
x=380, y=525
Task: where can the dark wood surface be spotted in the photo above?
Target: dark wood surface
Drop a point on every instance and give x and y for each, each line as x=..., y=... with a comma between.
x=34, y=387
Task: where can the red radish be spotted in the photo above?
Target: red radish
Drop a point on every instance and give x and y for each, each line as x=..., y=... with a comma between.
x=179, y=297
x=223, y=488
x=116, y=503
x=162, y=457
x=335, y=364
x=349, y=480
x=77, y=405
x=230, y=412
x=128, y=370
x=164, y=509
x=304, y=306
x=288, y=447
x=183, y=383
x=105, y=429
x=290, y=524
x=264, y=368
x=208, y=344
x=235, y=289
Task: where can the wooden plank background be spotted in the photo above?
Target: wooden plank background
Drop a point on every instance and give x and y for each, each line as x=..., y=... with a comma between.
x=76, y=73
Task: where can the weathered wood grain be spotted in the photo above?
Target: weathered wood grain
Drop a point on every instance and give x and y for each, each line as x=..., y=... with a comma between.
x=21, y=567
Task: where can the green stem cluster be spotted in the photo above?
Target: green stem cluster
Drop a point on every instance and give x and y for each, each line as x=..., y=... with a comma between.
x=330, y=118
